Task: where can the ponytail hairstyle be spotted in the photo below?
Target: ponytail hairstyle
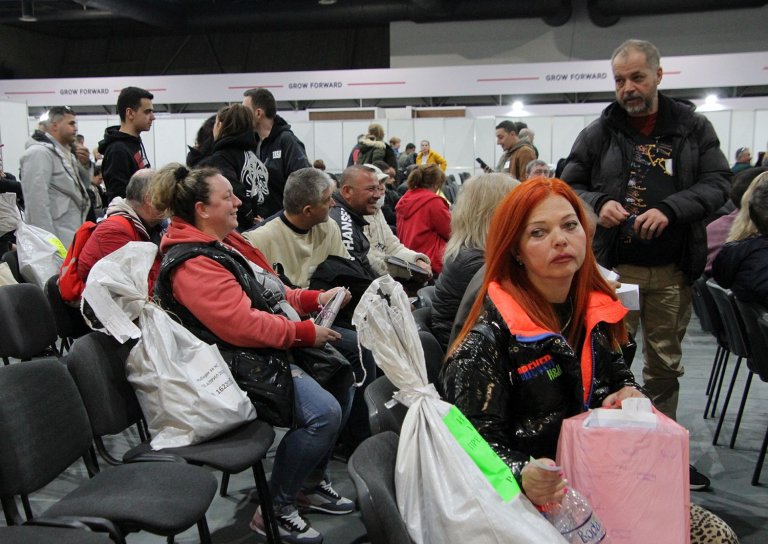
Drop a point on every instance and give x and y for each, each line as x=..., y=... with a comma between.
x=177, y=188
x=504, y=237
x=235, y=119
x=427, y=176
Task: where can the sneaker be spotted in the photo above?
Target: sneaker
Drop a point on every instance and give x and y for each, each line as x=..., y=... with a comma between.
x=325, y=499
x=292, y=527
x=699, y=482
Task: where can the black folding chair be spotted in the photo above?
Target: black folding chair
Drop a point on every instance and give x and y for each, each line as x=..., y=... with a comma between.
x=97, y=364
x=372, y=468
x=45, y=429
x=29, y=328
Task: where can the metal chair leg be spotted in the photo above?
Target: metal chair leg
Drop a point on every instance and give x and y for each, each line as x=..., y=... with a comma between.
x=224, y=484
x=727, y=400
x=721, y=379
x=265, y=501
x=724, y=353
x=760, y=459
x=741, y=409
x=27, y=507
x=713, y=371
x=202, y=529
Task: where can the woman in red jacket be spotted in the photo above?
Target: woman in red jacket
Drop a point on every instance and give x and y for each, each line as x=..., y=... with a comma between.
x=423, y=217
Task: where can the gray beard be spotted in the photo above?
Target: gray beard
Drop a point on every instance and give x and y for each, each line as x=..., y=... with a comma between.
x=643, y=108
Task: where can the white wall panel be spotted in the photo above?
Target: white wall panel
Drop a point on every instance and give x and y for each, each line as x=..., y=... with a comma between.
x=460, y=145
x=305, y=132
x=166, y=142
x=485, y=143
x=14, y=132
x=564, y=132
x=403, y=129
x=721, y=121
x=742, y=134
x=328, y=137
x=760, y=141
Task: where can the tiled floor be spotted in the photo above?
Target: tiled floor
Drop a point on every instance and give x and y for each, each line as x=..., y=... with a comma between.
x=732, y=497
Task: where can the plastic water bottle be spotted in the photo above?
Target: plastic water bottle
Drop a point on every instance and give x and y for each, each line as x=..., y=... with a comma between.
x=575, y=520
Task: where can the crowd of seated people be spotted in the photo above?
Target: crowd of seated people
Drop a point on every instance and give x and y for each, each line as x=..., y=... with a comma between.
x=361, y=220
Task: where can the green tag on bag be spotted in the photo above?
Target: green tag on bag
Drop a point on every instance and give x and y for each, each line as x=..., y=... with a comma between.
x=490, y=464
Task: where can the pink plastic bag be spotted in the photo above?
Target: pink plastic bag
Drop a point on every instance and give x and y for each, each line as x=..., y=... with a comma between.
x=636, y=479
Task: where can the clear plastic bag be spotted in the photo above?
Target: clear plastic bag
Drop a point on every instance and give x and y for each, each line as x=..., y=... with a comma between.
x=40, y=253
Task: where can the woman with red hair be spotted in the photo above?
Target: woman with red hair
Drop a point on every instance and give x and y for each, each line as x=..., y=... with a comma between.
x=545, y=339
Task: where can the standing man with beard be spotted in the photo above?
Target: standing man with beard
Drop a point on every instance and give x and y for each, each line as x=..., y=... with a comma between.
x=279, y=151
x=123, y=151
x=652, y=170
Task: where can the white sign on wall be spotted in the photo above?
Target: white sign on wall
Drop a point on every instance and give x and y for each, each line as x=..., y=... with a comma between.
x=702, y=71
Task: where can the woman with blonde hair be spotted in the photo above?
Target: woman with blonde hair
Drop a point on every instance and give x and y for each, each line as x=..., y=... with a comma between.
x=544, y=339
x=465, y=251
x=743, y=227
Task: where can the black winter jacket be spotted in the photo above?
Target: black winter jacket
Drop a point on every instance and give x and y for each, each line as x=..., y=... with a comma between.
x=353, y=236
x=598, y=168
x=517, y=382
x=282, y=153
x=743, y=268
x=450, y=288
x=235, y=157
x=124, y=154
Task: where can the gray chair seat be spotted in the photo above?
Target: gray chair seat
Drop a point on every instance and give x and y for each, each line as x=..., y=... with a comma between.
x=148, y=497
x=231, y=452
x=25, y=534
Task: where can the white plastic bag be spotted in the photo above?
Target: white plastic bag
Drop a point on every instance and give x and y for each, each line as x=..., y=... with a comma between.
x=443, y=493
x=40, y=253
x=185, y=389
x=9, y=213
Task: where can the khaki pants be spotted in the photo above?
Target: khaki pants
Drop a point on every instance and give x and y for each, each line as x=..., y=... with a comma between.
x=665, y=309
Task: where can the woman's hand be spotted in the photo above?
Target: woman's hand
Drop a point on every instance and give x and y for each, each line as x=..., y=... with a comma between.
x=326, y=296
x=614, y=399
x=543, y=486
x=323, y=335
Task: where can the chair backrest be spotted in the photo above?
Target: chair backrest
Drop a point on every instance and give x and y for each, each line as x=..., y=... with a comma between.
x=43, y=424
x=28, y=323
x=12, y=258
x=433, y=354
x=751, y=313
x=707, y=311
x=96, y=362
x=384, y=413
x=69, y=320
x=761, y=363
x=423, y=317
x=372, y=468
x=732, y=324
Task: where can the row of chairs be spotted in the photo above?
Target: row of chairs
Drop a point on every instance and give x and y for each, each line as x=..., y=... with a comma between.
x=740, y=328
x=52, y=413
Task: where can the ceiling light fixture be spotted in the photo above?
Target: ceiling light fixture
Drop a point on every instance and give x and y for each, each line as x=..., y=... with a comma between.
x=326, y=2
x=28, y=11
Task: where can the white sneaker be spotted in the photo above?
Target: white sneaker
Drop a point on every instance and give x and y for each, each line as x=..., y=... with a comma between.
x=324, y=498
x=292, y=527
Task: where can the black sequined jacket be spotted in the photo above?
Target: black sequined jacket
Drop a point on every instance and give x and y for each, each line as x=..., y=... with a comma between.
x=517, y=382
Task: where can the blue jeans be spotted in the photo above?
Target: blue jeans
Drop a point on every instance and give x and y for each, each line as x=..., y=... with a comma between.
x=359, y=428
x=306, y=449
